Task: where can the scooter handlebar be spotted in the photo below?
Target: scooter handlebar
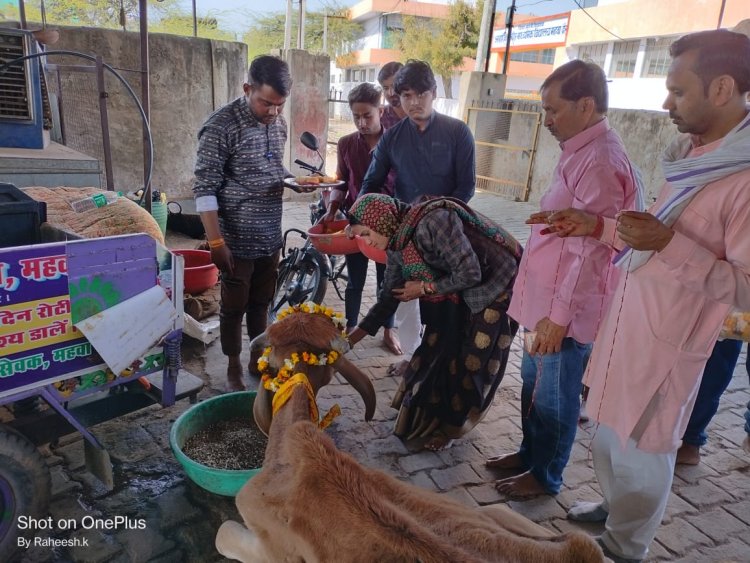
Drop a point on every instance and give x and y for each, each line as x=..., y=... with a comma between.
x=306, y=166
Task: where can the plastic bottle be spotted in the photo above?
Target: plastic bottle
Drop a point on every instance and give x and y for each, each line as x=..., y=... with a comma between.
x=94, y=201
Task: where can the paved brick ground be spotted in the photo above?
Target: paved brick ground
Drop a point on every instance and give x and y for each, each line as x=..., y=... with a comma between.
x=707, y=518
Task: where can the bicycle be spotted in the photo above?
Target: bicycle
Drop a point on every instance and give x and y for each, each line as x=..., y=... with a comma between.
x=304, y=271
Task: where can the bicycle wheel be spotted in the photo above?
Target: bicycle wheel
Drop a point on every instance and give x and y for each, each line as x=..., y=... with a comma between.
x=297, y=284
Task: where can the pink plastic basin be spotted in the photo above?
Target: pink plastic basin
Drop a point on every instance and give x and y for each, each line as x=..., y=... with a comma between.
x=200, y=272
x=330, y=238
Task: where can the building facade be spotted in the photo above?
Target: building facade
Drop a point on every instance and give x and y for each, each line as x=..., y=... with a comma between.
x=533, y=43
x=630, y=40
x=382, y=22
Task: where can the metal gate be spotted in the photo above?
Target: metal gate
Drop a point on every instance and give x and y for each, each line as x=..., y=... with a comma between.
x=95, y=115
x=505, y=135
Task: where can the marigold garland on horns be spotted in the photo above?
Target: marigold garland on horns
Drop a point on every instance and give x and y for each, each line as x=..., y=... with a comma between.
x=274, y=382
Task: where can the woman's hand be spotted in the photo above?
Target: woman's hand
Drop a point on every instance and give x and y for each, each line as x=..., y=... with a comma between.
x=411, y=290
x=356, y=335
x=566, y=223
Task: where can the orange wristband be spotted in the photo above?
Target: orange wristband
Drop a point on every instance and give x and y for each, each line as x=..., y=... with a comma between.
x=216, y=243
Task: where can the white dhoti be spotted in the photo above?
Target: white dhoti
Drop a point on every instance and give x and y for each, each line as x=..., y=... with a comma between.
x=635, y=485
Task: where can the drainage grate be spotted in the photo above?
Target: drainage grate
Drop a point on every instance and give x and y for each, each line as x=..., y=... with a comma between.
x=15, y=103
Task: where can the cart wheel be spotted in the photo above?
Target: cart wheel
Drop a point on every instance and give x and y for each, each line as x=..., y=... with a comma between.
x=24, y=487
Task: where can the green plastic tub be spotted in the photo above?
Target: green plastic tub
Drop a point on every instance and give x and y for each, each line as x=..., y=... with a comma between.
x=225, y=482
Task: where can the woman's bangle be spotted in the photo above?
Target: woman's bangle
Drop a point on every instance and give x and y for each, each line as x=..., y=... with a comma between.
x=429, y=288
x=216, y=243
x=599, y=228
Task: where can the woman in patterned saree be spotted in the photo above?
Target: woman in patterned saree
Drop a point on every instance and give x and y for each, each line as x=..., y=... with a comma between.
x=461, y=266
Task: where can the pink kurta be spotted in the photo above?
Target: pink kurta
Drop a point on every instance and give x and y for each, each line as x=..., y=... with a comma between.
x=570, y=280
x=654, y=342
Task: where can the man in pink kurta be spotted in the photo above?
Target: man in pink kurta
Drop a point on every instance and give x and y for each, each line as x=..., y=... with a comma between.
x=690, y=266
x=564, y=285
x=677, y=300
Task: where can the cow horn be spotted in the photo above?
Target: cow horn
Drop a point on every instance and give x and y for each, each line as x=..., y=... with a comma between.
x=259, y=343
x=262, y=411
x=360, y=382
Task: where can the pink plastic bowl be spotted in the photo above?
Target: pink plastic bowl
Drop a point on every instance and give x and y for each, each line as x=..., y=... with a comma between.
x=335, y=240
x=200, y=272
x=371, y=252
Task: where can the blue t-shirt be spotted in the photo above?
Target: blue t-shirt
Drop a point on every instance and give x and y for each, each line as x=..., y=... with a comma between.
x=438, y=161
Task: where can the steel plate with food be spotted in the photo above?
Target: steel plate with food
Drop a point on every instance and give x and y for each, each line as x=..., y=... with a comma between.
x=313, y=182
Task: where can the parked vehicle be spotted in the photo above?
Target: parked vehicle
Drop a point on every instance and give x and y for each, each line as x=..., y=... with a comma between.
x=89, y=330
x=304, y=272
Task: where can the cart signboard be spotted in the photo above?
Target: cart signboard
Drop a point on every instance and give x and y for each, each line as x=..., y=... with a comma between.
x=45, y=289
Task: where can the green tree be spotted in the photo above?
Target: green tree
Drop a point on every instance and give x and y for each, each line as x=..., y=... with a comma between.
x=443, y=43
x=91, y=13
x=267, y=32
x=177, y=22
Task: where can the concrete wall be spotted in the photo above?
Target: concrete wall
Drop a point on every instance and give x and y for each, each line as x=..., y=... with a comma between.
x=477, y=87
x=307, y=106
x=190, y=78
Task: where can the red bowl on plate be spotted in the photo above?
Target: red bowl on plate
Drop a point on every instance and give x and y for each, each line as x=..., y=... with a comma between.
x=200, y=272
x=330, y=238
x=371, y=252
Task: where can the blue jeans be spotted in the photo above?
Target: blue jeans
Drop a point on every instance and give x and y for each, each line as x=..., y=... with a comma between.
x=550, y=404
x=716, y=378
x=356, y=267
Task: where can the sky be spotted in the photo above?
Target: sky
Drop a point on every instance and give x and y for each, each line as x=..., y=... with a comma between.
x=236, y=15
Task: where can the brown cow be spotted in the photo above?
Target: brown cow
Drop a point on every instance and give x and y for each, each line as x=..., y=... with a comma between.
x=313, y=503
